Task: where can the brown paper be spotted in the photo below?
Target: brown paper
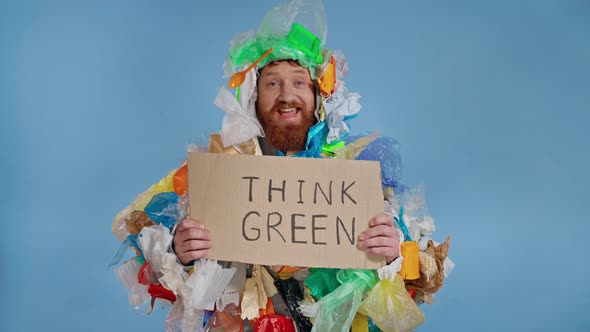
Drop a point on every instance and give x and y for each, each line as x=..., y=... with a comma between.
x=430, y=285
x=285, y=211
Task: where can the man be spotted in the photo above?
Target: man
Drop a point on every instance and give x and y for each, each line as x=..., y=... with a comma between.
x=285, y=108
x=294, y=104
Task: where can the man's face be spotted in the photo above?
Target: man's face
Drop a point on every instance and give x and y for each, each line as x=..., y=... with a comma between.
x=286, y=103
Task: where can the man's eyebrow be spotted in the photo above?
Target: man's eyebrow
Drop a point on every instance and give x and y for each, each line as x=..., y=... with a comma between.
x=299, y=71
x=271, y=72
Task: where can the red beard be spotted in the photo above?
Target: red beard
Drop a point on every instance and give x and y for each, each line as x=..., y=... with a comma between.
x=286, y=136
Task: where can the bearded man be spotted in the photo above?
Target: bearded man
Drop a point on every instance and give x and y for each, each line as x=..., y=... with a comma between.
x=293, y=104
x=285, y=108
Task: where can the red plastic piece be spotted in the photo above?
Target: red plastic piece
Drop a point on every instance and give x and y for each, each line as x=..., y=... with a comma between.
x=274, y=323
x=159, y=292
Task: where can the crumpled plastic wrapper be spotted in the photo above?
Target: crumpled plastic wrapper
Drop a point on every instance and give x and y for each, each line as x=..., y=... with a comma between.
x=155, y=242
x=429, y=286
x=240, y=122
x=386, y=151
x=136, y=221
x=257, y=290
x=127, y=274
x=185, y=319
x=322, y=281
x=231, y=293
x=173, y=274
x=341, y=105
x=390, y=271
x=205, y=284
x=167, y=208
x=416, y=215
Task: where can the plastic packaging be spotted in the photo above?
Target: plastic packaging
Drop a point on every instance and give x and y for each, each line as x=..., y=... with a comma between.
x=391, y=308
x=166, y=208
x=411, y=264
x=335, y=311
x=164, y=185
x=227, y=320
x=340, y=106
x=160, y=292
x=127, y=274
x=322, y=282
x=416, y=216
x=205, y=284
x=386, y=151
x=239, y=124
x=292, y=294
x=154, y=242
x=173, y=274
x=180, y=181
x=429, y=286
x=131, y=241
x=315, y=140
x=303, y=41
x=136, y=221
x=274, y=323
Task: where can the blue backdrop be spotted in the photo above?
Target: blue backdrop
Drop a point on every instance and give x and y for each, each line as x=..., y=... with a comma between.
x=490, y=101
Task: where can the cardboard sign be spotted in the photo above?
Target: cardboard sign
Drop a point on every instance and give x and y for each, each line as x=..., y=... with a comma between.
x=285, y=211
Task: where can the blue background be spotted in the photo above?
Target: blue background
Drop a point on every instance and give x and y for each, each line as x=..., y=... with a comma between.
x=490, y=101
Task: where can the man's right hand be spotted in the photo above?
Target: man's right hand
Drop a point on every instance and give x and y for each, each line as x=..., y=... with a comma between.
x=191, y=241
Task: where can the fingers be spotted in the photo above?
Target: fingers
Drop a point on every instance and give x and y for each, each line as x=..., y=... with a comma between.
x=376, y=231
x=192, y=245
x=192, y=234
x=189, y=223
x=191, y=241
x=189, y=256
x=381, y=219
x=381, y=238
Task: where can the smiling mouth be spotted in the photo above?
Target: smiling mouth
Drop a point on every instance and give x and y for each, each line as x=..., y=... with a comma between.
x=288, y=113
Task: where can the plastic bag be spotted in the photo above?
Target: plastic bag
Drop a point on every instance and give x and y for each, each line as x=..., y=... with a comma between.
x=391, y=308
x=322, y=282
x=291, y=294
x=386, y=151
x=335, y=311
x=227, y=320
x=166, y=208
x=273, y=32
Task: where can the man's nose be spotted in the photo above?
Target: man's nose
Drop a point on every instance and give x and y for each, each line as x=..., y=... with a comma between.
x=287, y=94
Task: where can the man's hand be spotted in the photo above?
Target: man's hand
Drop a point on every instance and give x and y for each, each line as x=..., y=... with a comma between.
x=191, y=241
x=381, y=238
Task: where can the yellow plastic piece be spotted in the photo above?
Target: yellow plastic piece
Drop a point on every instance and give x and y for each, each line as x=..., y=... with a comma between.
x=360, y=323
x=328, y=80
x=391, y=308
x=164, y=185
x=411, y=265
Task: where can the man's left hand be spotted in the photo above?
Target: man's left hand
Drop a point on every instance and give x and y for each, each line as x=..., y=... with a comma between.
x=381, y=238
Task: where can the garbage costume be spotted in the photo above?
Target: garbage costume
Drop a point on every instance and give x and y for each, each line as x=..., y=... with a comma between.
x=218, y=296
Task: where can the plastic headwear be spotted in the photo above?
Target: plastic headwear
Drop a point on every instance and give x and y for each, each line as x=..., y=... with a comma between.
x=295, y=30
